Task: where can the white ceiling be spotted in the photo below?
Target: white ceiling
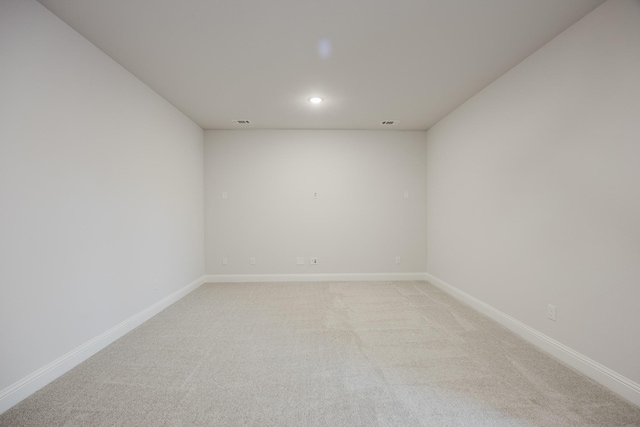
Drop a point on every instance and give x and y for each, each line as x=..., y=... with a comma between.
x=412, y=61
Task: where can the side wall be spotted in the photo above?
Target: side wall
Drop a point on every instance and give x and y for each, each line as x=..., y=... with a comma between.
x=101, y=194
x=359, y=223
x=534, y=190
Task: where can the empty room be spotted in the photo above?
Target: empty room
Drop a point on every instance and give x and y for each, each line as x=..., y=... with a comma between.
x=319, y=213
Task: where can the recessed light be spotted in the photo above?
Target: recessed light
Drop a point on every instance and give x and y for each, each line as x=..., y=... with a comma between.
x=315, y=100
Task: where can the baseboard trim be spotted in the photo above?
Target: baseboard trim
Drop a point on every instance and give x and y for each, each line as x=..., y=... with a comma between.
x=346, y=277
x=619, y=384
x=28, y=385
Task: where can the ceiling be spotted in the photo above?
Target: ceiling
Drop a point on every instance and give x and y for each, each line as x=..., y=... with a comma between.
x=370, y=60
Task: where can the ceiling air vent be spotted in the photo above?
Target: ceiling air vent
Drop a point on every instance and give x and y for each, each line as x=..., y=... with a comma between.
x=241, y=122
x=390, y=122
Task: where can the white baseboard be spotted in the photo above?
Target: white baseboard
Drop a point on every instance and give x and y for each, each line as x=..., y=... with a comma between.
x=347, y=277
x=43, y=376
x=596, y=371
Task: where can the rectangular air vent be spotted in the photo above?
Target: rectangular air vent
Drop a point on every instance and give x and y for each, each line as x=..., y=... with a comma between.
x=242, y=122
x=390, y=122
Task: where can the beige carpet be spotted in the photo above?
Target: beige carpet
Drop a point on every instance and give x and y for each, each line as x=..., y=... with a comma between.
x=321, y=354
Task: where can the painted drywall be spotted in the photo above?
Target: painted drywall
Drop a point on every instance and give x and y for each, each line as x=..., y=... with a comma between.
x=101, y=192
x=359, y=223
x=534, y=190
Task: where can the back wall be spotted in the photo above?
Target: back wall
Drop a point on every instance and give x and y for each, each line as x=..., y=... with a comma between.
x=359, y=222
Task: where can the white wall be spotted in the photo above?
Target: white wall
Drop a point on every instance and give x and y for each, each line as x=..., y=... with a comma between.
x=534, y=190
x=101, y=192
x=358, y=224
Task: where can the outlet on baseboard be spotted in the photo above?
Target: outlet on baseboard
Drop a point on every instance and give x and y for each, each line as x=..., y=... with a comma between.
x=300, y=260
x=397, y=260
x=313, y=261
x=551, y=312
x=252, y=260
x=225, y=261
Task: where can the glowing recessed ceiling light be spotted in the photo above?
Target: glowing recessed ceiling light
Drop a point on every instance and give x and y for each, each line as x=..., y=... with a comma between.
x=315, y=100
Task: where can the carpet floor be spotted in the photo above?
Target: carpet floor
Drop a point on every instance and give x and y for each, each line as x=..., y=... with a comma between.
x=321, y=354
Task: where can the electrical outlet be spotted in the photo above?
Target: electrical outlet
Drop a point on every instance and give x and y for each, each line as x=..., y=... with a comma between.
x=315, y=194
x=225, y=261
x=551, y=312
x=300, y=260
x=313, y=261
x=397, y=260
x=224, y=194
x=252, y=260
x=156, y=284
